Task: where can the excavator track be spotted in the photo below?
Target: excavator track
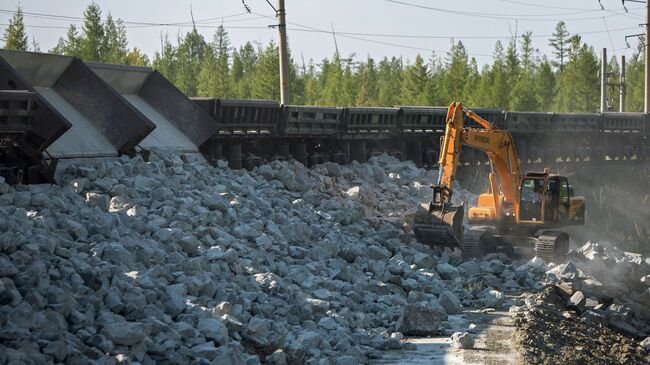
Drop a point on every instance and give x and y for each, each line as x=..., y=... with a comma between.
x=472, y=241
x=552, y=246
x=471, y=245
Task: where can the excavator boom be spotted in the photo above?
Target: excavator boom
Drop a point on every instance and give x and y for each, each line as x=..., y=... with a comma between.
x=440, y=222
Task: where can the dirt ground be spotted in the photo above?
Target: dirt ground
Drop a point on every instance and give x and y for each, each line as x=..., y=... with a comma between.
x=544, y=334
x=549, y=334
x=494, y=342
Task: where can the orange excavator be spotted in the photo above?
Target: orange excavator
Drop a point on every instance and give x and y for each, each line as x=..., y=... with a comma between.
x=518, y=211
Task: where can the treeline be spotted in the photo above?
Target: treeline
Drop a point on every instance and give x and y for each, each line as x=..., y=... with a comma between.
x=518, y=78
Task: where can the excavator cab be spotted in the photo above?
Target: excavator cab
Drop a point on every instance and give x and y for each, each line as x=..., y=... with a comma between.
x=545, y=200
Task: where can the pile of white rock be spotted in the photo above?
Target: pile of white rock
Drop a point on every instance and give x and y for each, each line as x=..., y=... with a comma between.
x=171, y=260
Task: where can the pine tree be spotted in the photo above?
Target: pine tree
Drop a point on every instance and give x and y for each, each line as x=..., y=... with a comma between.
x=456, y=73
x=58, y=49
x=545, y=84
x=190, y=52
x=482, y=95
x=512, y=63
x=207, y=76
x=15, y=36
x=72, y=44
x=524, y=94
x=501, y=84
x=115, y=43
x=165, y=61
x=560, y=42
x=634, y=70
x=136, y=58
x=415, y=83
x=472, y=79
x=243, y=70
x=389, y=81
x=35, y=46
x=333, y=91
x=367, y=84
x=578, y=87
x=266, y=79
x=434, y=94
x=311, y=83
x=92, y=44
x=223, y=84
x=528, y=56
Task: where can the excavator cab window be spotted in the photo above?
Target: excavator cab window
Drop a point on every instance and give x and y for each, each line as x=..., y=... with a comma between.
x=532, y=196
x=552, y=199
x=563, y=202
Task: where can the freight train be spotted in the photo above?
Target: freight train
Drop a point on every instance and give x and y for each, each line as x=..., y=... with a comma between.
x=254, y=130
x=55, y=109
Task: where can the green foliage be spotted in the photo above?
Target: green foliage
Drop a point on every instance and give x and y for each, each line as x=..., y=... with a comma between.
x=92, y=43
x=15, y=36
x=136, y=58
x=214, y=78
x=545, y=84
x=389, y=83
x=115, y=45
x=516, y=79
x=634, y=80
x=165, y=61
x=189, y=55
x=578, y=84
x=243, y=71
x=266, y=76
x=560, y=44
x=415, y=82
x=367, y=84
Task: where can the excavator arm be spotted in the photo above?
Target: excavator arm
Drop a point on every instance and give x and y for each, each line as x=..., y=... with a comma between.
x=439, y=222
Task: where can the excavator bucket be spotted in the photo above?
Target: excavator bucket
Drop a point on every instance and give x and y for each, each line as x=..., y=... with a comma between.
x=439, y=226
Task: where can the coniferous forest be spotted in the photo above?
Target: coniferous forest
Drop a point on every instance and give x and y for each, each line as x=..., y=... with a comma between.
x=518, y=78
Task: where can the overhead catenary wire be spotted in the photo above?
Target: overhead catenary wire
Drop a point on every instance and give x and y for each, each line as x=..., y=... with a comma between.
x=360, y=36
x=202, y=24
x=609, y=34
x=502, y=16
x=126, y=22
x=539, y=5
x=626, y=14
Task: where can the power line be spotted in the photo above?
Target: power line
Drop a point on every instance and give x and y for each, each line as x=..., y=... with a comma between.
x=609, y=34
x=501, y=16
x=406, y=36
x=540, y=6
x=74, y=18
x=413, y=36
x=317, y=30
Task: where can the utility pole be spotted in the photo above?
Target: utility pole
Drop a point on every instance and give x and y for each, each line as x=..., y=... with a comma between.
x=284, y=62
x=603, y=81
x=646, y=109
x=621, y=103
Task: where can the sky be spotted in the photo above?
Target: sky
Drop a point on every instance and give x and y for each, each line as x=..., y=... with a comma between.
x=375, y=28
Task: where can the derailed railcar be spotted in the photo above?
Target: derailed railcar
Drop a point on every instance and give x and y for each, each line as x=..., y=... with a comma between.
x=623, y=135
x=310, y=134
x=420, y=129
x=245, y=130
x=370, y=131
